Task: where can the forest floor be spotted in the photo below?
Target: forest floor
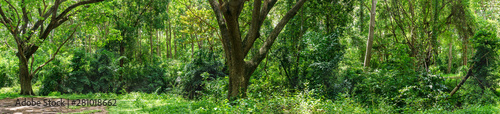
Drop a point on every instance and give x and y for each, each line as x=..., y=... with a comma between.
x=168, y=103
x=452, y=76
x=9, y=106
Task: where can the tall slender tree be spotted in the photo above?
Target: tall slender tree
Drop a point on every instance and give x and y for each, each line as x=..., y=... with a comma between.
x=369, y=42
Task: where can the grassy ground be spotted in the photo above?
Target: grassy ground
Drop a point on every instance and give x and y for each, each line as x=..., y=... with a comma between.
x=302, y=103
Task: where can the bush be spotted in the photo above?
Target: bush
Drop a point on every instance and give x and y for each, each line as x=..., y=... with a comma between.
x=148, y=77
x=52, y=79
x=486, y=45
x=5, y=81
x=413, y=91
x=8, y=69
x=317, y=63
x=99, y=72
x=205, y=67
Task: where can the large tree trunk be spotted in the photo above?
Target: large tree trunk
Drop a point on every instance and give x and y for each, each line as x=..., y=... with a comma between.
x=24, y=77
x=237, y=81
x=369, y=43
x=236, y=48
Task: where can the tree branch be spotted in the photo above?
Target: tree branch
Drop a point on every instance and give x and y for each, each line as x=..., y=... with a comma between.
x=199, y=18
x=14, y=30
x=54, y=55
x=251, y=37
x=25, y=17
x=66, y=11
x=254, y=28
x=5, y=20
x=55, y=22
x=273, y=35
x=222, y=26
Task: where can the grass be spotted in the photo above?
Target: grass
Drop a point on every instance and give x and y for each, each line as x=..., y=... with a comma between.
x=137, y=102
x=474, y=109
x=449, y=75
x=88, y=112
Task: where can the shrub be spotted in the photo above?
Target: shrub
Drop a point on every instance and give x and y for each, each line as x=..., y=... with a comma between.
x=148, y=77
x=4, y=79
x=413, y=91
x=52, y=79
x=486, y=45
x=99, y=72
x=205, y=67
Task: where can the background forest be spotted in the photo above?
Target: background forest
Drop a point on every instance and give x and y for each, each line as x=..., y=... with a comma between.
x=256, y=56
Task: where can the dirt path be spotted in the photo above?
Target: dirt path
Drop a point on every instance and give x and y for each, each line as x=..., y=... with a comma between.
x=8, y=106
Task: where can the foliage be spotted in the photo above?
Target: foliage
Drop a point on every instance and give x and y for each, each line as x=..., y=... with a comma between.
x=303, y=102
x=407, y=91
x=5, y=80
x=99, y=72
x=316, y=64
x=324, y=55
x=205, y=67
x=53, y=79
x=147, y=77
x=156, y=56
x=486, y=45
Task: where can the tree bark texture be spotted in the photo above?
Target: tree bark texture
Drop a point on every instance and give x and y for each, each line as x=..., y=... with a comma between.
x=369, y=43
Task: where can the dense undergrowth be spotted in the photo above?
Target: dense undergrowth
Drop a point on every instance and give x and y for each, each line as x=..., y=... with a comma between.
x=301, y=102
x=324, y=83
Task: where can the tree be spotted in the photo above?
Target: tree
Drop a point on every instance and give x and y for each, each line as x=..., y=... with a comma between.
x=369, y=43
x=236, y=49
x=30, y=30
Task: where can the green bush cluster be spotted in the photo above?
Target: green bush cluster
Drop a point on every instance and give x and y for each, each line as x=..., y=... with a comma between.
x=5, y=81
x=486, y=45
x=317, y=63
x=147, y=77
x=8, y=69
x=100, y=72
x=206, y=66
